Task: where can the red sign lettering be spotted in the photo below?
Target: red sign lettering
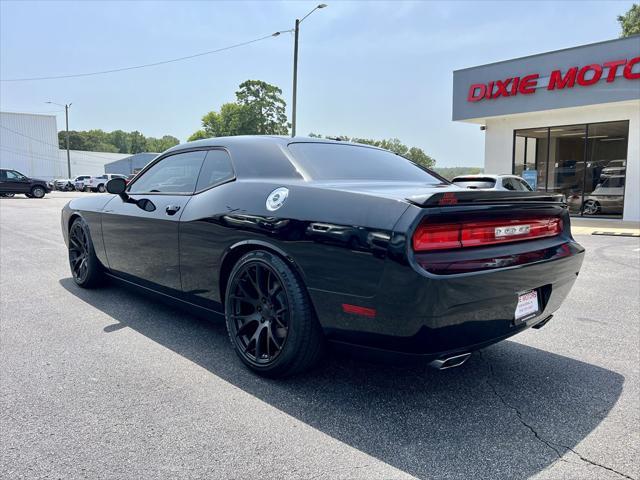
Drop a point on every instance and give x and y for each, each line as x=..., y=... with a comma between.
x=559, y=82
x=583, y=76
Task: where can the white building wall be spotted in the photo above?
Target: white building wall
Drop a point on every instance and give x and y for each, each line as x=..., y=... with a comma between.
x=88, y=163
x=29, y=144
x=498, y=152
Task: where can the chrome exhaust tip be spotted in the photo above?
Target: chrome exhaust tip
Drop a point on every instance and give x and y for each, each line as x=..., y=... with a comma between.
x=450, y=362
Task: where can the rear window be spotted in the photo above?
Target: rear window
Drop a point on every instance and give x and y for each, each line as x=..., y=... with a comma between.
x=474, y=182
x=326, y=161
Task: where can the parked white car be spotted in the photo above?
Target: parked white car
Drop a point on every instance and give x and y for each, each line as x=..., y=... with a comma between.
x=493, y=182
x=99, y=184
x=79, y=182
x=614, y=167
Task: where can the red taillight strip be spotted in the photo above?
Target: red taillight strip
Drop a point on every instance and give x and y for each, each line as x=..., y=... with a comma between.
x=476, y=234
x=357, y=310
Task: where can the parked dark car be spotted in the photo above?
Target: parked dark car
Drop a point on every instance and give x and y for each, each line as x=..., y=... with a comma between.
x=13, y=182
x=302, y=241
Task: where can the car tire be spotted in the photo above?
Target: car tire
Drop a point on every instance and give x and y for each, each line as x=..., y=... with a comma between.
x=7, y=195
x=270, y=319
x=85, y=266
x=591, y=207
x=101, y=188
x=38, y=192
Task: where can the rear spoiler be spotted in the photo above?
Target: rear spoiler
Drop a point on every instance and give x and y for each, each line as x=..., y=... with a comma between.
x=483, y=197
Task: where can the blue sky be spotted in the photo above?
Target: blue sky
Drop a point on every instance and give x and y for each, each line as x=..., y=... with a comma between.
x=367, y=69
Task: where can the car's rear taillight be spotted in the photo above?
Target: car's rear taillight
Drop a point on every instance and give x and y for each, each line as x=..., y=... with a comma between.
x=488, y=232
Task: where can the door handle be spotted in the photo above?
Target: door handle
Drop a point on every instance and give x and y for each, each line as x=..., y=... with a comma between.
x=172, y=209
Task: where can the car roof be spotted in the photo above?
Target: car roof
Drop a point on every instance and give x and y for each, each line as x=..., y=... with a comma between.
x=257, y=140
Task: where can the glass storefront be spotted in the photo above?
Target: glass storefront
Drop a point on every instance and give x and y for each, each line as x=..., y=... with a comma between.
x=587, y=163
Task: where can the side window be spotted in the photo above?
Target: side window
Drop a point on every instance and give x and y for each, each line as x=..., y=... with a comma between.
x=506, y=183
x=173, y=174
x=524, y=186
x=12, y=175
x=216, y=168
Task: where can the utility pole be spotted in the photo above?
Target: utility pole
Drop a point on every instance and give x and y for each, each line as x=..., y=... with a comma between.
x=66, y=118
x=295, y=69
x=66, y=106
x=295, y=79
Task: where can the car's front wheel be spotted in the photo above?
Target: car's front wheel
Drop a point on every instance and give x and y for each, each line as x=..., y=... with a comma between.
x=101, y=188
x=270, y=319
x=591, y=207
x=85, y=266
x=38, y=192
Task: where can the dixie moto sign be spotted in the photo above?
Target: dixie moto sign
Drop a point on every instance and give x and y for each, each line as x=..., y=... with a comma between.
x=558, y=80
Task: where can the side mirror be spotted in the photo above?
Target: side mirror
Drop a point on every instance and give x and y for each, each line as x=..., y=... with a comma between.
x=117, y=186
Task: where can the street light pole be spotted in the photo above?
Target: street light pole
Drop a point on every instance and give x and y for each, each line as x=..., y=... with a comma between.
x=66, y=120
x=295, y=69
x=295, y=79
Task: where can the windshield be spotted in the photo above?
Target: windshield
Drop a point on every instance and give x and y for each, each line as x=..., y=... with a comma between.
x=327, y=161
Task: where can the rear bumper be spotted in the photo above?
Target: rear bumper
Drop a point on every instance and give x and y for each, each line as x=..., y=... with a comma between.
x=431, y=315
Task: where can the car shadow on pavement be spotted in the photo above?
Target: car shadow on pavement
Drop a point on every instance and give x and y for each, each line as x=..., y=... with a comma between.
x=509, y=412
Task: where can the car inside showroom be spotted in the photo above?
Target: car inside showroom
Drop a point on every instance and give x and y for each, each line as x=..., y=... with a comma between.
x=567, y=121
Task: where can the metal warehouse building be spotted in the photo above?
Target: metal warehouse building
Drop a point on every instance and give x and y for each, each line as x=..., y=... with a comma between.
x=131, y=164
x=568, y=121
x=29, y=144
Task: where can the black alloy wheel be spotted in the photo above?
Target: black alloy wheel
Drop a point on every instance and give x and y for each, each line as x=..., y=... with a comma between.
x=38, y=192
x=84, y=264
x=269, y=316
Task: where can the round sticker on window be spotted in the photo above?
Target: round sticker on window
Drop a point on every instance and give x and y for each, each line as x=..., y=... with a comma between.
x=277, y=198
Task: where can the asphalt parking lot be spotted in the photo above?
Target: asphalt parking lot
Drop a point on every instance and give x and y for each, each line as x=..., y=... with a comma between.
x=109, y=384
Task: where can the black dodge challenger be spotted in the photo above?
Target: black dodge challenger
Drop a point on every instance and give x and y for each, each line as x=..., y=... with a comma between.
x=299, y=242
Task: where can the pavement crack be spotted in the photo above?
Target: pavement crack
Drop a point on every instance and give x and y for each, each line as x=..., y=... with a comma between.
x=547, y=443
x=596, y=464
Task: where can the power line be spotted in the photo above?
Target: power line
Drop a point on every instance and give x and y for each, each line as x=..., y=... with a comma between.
x=154, y=64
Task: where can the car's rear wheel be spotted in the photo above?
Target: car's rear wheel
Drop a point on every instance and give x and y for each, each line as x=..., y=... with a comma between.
x=101, y=188
x=591, y=207
x=7, y=195
x=85, y=266
x=270, y=319
x=38, y=192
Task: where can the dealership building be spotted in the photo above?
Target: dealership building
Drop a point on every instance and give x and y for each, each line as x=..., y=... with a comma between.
x=568, y=121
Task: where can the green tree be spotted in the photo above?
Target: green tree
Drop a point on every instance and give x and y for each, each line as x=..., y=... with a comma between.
x=161, y=144
x=451, y=172
x=630, y=21
x=259, y=109
x=265, y=107
x=394, y=145
x=120, y=140
x=138, y=142
x=233, y=119
x=117, y=141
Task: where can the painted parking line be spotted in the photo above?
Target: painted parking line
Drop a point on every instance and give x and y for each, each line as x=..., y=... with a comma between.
x=616, y=234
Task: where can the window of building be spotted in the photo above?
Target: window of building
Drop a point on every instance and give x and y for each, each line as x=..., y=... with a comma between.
x=576, y=160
